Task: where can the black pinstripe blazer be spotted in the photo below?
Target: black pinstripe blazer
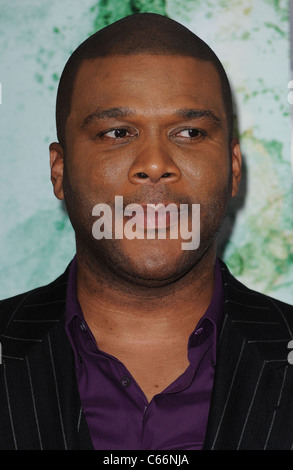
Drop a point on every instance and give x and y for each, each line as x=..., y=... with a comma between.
x=252, y=400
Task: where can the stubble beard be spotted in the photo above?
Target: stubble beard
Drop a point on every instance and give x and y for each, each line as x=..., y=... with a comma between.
x=108, y=259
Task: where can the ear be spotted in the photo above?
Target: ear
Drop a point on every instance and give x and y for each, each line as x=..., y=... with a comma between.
x=236, y=166
x=57, y=165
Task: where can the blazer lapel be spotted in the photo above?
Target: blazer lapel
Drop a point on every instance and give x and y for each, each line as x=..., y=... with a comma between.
x=39, y=370
x=251, y=371
x=75, y=433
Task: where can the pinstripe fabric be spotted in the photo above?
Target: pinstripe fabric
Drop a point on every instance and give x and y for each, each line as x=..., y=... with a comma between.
x=251, y=408
x=40, y=406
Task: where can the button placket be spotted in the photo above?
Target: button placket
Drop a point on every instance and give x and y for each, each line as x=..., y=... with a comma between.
x=125, y=381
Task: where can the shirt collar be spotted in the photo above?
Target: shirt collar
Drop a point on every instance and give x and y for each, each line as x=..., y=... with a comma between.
x=215, y=308
x=212, y=315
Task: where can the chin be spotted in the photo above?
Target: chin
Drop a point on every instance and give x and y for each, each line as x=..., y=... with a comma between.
x=156, y=265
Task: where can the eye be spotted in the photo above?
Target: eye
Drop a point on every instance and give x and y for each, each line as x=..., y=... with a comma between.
x=116, y=133
x=192, y=133
x=119, y=133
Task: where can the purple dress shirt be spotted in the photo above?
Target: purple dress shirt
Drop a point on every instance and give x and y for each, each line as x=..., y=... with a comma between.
x=118, y=415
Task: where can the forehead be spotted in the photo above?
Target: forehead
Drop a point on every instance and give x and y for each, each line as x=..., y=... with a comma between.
x=146, y=82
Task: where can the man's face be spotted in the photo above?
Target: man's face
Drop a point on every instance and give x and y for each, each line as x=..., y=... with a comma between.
x=152, y=129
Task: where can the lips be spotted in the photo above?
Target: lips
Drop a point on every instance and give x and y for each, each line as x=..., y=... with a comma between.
x=154, y=216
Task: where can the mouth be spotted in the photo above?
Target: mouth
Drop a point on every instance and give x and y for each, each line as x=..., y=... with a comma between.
x=160, y=216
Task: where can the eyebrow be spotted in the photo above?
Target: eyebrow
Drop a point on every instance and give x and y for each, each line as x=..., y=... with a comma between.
x=122, y=112
x=111, y=113
x=191, y=113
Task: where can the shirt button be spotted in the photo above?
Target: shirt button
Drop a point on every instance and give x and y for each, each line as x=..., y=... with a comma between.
x=82, y=327
x=125, y=381
x=198, y=332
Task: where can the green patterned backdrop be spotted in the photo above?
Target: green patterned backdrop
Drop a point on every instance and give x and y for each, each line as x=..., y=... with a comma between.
x=251, y=37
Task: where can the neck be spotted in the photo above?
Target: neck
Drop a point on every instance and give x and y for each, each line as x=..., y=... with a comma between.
x=113, y=304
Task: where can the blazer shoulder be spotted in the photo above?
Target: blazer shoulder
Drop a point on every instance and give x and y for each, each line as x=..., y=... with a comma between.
x=35, y=303
x=238, y=294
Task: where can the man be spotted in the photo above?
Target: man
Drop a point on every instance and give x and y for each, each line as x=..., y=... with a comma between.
x=142, y=344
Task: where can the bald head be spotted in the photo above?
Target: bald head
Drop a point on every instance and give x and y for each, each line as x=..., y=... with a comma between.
x=143, y=33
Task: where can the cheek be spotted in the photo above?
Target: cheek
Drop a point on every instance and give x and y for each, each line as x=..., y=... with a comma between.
x=208, y=176
x=98, y=177
x=110, y=173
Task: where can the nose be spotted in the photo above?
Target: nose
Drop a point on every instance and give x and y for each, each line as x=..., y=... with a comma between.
x=154, y=165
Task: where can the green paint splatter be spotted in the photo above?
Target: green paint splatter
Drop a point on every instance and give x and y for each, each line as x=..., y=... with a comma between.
x=276, y=28
x=108, y=11
x=262, y=255
x=39, y=78
x=60, y=225
x=281, y=8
